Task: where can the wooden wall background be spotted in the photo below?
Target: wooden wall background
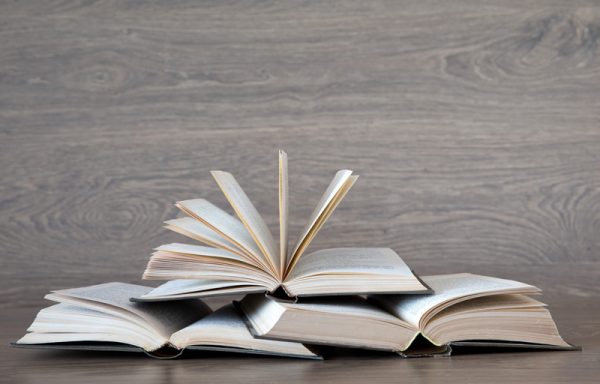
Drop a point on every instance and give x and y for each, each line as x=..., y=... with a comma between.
x=474, y=126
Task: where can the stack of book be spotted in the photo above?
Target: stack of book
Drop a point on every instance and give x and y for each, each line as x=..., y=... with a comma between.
x=295, y=302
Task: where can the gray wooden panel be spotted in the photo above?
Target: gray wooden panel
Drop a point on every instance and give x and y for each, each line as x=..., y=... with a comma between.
x=475, y=128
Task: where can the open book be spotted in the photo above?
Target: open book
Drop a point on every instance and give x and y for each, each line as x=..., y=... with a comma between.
x=464, y=308
x=101, y=317
x=242, y=255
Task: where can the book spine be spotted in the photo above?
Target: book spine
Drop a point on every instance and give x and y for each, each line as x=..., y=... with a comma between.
x=166, y=352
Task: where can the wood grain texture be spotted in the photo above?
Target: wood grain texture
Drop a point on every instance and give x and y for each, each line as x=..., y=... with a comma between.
x=474, y=126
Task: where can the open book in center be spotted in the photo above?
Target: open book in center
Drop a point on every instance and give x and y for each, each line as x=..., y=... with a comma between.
x=242, y=256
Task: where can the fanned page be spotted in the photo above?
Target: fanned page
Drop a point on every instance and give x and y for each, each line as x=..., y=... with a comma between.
x=250, y=217
x=449, y=289
x=225, y=225
x=283, y=212
x=199, y=231
x=187, y=261
x=210, y=264
x=337, y=189
x=200, y=250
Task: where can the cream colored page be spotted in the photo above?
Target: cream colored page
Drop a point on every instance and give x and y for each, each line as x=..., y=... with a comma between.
x=178, y=287
x=283, y=211
x=380, y=261
x=66, y=337
x=115, y=294
x=67, y=318
x=200, y=250
x=165, y=317
x=225, y=327
x=346, y=305
x=322, y=219
x=448, y=288
x=170, y=266
x=199, y=231
x=223, y=223
x=249, y=216
x=338, y=182
x=489, y=303
x=71, y=322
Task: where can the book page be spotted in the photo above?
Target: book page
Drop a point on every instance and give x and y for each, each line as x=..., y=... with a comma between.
x=503, y=317
x=327, y=213
x=181, y=287
x=224, y=224
x=488, y=303
x=199, y=231
x=51, y=324
x=345, y=305
x=170, y=266
x=379, y=261
x=283, y=212
x=200, y=250
x=225, y=327
x=68, y=337
x=322, y=211
x=249, y=216
x=113, y=298
x=71, y=322
x=449, y=289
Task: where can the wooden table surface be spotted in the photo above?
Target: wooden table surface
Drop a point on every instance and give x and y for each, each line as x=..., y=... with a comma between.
x=474, y=125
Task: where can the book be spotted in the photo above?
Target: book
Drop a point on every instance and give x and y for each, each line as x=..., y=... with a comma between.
x=101, y=317
x=465, y=310
x=241, y=255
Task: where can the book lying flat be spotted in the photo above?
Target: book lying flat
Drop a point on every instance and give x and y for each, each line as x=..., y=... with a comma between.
x=101, y=317
x=242, y=256
x=465, y=310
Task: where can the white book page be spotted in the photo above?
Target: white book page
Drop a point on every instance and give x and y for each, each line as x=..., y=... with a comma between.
x=179, y=287
x=171, y=266
x=283, y=212
x=328, y=211
x=488, y=303
x=376, y=261
x=328, y=199
x=67, y=337
x=249, y=216
x=113, y=298
x=224, y=224
x=59, y=318
x=225, y=327
x=67, y=319
x=347, y=306
x=199, y=231
x=200, y=250
x=449, y=289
